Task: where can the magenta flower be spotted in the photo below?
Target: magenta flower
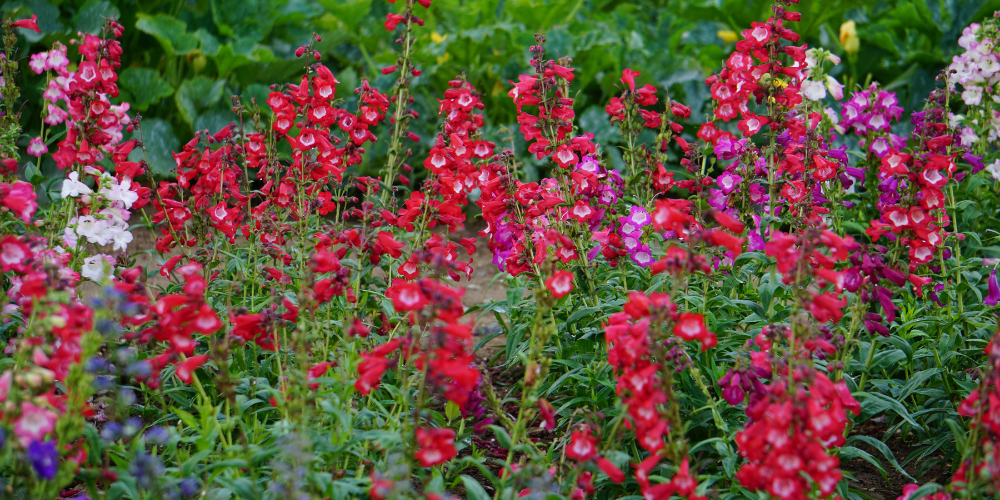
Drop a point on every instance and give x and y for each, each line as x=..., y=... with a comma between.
x=728, y=182
x=994, y=290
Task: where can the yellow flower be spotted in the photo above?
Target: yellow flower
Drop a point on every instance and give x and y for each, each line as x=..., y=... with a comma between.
x=849, y=38
x=443, y=59
x=437, y=37
x=727, y=36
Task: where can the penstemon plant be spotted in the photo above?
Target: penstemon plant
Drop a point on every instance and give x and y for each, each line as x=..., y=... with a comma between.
x=745, y=308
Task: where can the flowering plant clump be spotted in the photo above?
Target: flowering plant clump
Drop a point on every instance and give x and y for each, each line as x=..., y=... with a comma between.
x=753, y=305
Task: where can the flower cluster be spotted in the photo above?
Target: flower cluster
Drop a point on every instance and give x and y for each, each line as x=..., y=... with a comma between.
x=790, y=431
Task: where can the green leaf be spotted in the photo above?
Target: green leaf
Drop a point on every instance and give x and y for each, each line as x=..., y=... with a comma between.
x=474, y=490
x=875, y=402
x=350, y=12
x=170, y=32
x=886, y=452
x=90, y=18
x=145, y=87
x=160, y=141
x=197, y=94
x=503, y=439
x=251, y=19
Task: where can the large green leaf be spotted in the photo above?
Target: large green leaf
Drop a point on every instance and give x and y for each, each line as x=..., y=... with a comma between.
x=92, y=14
x=160, y=141
x=249, y=19
x=197, y=94
x=145, y=87
x=170, y=32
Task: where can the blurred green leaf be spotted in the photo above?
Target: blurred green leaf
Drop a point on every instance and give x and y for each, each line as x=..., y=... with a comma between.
x=197, y=94
x=145, y=87
x=170, y=32
x=160, y=142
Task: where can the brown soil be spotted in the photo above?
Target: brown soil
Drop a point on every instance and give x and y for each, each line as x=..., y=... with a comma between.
x=869, y=480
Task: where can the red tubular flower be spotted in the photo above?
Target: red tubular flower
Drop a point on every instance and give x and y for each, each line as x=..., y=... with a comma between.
x=691, y=326
x=436, y=446
x=614, y=473
x=582, y=445
x=628, y=78
x=185, y=369
x=28, y=24
x=560, y=283
x=406, y=296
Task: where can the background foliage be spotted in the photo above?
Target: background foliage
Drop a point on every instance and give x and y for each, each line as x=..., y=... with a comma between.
x=184, y=59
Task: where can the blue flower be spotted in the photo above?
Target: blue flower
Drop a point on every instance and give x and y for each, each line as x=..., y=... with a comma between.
x=146, y=469
x=44, y=458
x=190, y=486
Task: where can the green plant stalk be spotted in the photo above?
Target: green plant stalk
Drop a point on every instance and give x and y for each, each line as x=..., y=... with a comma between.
x=400, y=99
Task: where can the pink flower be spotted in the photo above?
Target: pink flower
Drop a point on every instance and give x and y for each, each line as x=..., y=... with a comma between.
x=37, y=147
x=20, y=199
x=34, y=423
x=38, y=62
x=5, y=385
x=560, y=284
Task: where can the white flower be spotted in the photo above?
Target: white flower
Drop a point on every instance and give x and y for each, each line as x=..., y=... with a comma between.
x=813, y=91
x=973, y=96
x=994, y=169
x=836, y=88
x=120, y=192
x=968, y=136
x=122, y=239
x=94, y=268
x=69, y=237
x=72, y=187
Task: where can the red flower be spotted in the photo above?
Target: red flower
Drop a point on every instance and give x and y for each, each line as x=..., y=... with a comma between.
x=548, y=414
x=582, y=446
x=436, y=446
x=406, y=296
x=185, y=369
x=732, y=243
x=628, y=78
x=613, y=472
x=691, y=326
x=560, y=284
x=728, y=222
x=28, y=24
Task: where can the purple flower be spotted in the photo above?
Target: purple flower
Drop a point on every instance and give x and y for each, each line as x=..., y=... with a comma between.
x=189, y=486
x=588, y=164
x=994, y=290
x=639, y=216
x=642, y=256
x=727, y=149
x=880, y=147
x=44, y=458
x=608, y=196
x=758, y=194
x=976, y=162
x=717, y=199
x=146, y=469
x=728, y=182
